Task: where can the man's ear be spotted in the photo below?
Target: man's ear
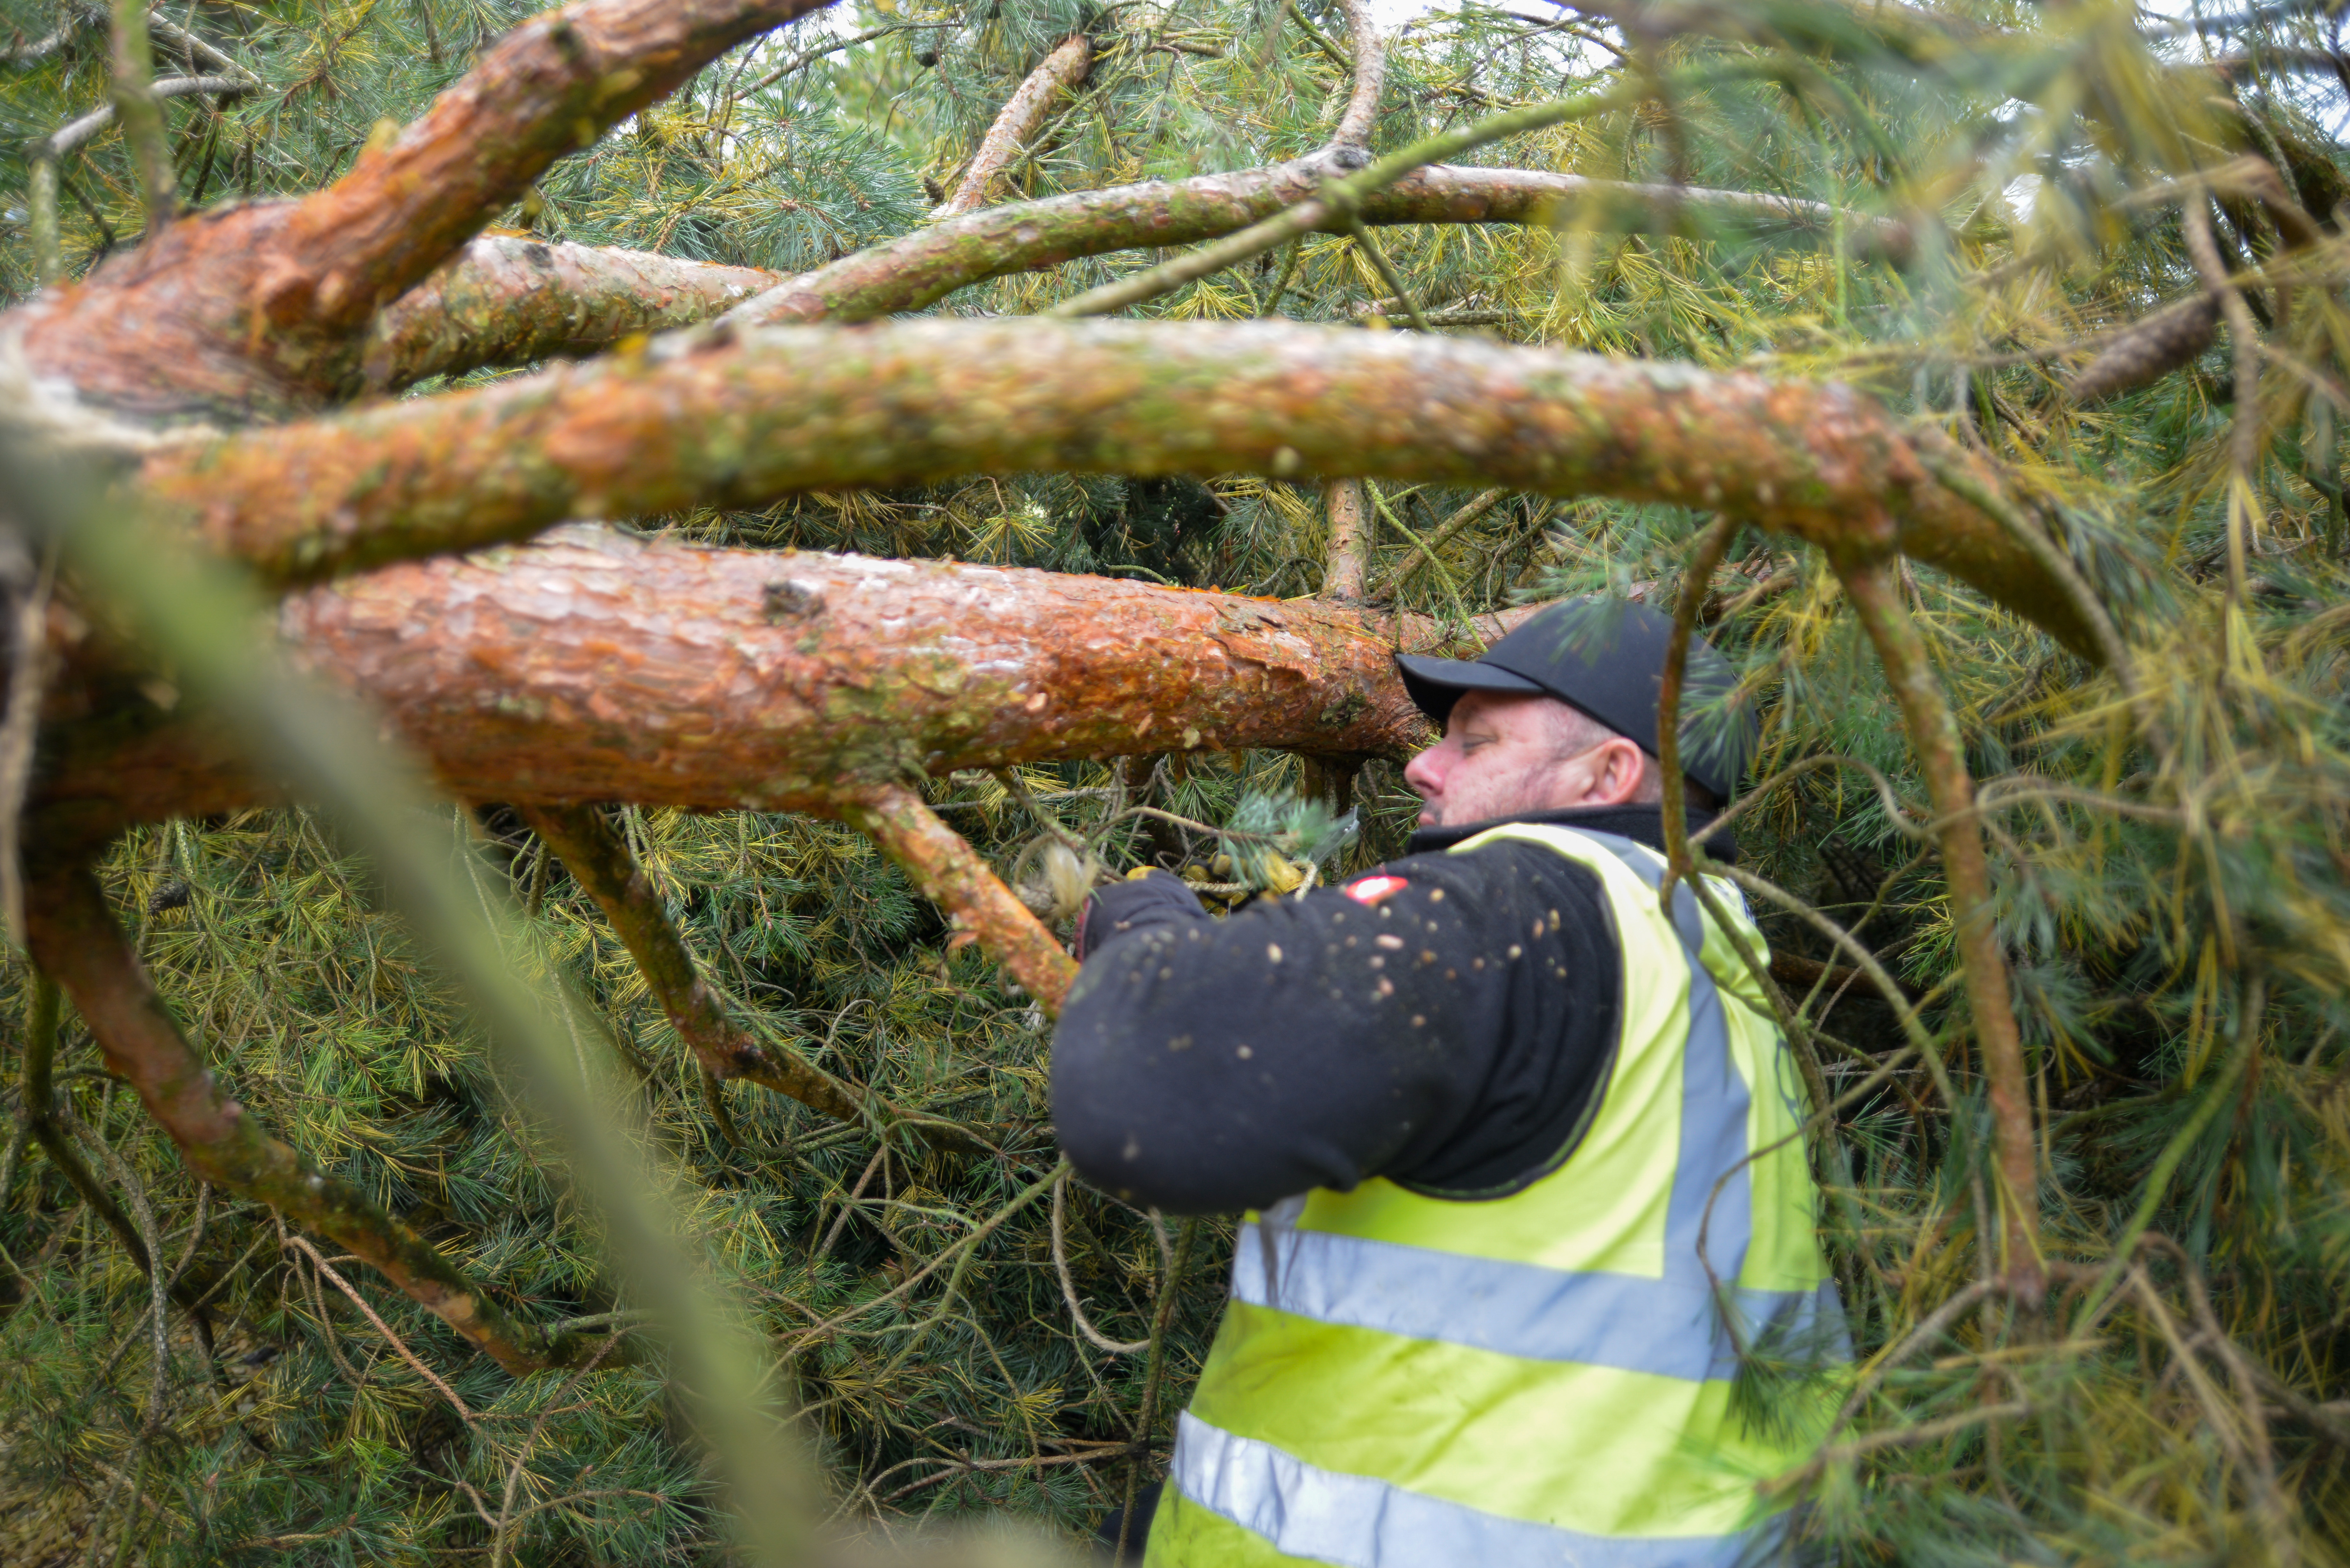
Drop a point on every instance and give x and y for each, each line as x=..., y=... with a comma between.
x=1626, y=771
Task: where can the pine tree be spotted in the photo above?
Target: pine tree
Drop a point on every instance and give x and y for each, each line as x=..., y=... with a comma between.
x=1972, y=375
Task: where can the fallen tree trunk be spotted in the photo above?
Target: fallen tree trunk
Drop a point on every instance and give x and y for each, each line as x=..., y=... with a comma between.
x=739, y=421
x=600, y=666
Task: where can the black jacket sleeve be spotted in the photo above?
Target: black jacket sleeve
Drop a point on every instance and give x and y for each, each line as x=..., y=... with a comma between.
x=1444, y=1029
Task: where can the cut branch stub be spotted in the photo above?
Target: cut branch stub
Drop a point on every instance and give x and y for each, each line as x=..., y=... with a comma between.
x=600, y=859
x=739, y=422
x=75, y=941
x=258, y=308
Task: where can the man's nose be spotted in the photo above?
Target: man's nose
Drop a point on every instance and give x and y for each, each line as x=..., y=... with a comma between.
x=1424, y=772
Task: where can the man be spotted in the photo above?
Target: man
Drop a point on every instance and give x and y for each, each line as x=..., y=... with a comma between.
x=1485, y=1101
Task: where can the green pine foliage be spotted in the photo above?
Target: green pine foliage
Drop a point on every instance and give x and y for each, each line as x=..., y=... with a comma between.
x=2169, y=856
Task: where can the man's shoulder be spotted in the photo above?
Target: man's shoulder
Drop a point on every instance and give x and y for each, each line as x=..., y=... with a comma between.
x=1496, y=873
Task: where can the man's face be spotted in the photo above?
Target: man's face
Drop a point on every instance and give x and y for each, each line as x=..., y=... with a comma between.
x=1501, y=756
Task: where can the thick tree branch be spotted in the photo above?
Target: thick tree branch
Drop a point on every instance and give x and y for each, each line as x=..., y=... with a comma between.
x=75, y=941
x=507, y=300
x=719, y=422
x=1346, y=558
x=927, y=265
x=951, y=875
x=600, y=859
x=1875, y=589
x=1062, y=69
x=599, y=667
x=1370, y=72
x=258, y=308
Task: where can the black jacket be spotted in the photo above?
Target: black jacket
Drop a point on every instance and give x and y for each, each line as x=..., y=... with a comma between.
x=1447, y=1034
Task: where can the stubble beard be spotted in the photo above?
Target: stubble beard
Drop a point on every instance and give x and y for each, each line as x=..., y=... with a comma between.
x=1528, y=792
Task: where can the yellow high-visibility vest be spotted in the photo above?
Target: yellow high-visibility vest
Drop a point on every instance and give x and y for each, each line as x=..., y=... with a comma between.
x=1407, y=1381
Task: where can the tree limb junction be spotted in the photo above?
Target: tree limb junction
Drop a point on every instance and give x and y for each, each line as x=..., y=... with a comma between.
x=250, y=309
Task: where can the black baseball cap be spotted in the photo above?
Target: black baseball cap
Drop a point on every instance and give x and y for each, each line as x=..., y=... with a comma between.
x=1607, y=658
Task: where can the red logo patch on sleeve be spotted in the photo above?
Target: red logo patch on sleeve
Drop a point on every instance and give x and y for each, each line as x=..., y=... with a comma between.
x=1372, y=890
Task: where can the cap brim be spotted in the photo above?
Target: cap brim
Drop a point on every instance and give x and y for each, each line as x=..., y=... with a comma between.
x=1435, y=684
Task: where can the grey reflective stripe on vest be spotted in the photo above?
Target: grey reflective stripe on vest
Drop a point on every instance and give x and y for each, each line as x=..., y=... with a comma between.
x=1714, y=1103
x=1361, y=1523
x=1663, y=1327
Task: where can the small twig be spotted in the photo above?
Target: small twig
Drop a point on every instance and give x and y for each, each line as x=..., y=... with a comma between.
x=142, y=113
x=1171, y=1296
x=1443, y=573
x=2181, y=1142
x=33, y=51
x=1873, y=587
x=1339, y=197
x=398, y=1346
x=37, y=1094
x=849, y=1204
x=957, y=1467
x=1924, y=1431
x=979, y=1233
x=1094, y=1336
x=2055, y=561
x=600, y=861
x=507, y=1518
x=2243, y=343
x=201, y=51
x=26, y=586
x=73, y=132
x=2275, y=1511
x=800, y=62
x=947, y=870
x=1444, y=532
x=1369, y=246
x=134, y=1192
